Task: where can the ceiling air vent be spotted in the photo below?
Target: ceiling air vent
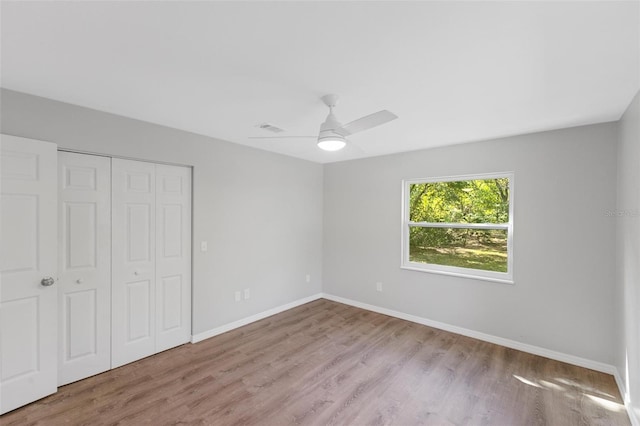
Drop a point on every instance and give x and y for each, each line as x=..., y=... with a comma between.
x=270, y=127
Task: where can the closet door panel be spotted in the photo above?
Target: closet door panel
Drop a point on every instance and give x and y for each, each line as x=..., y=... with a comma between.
x=84, y=244
x=134, y=264
x=173, y=256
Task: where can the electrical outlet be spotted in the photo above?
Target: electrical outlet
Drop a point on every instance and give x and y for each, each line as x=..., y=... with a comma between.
x=247, y=293
x=204, y=246
x=308, y=278
x=238, y=296
x=379, y=286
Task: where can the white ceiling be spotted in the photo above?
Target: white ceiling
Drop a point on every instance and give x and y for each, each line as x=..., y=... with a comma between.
x=452, y=71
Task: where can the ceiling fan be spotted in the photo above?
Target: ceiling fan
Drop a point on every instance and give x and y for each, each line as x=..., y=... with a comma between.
x=332, y=135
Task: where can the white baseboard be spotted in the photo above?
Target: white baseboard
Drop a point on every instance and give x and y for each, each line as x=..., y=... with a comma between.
x=524, y=347
x=547, y=353
x=625, y=397
x=253, y=318
x=536, y=350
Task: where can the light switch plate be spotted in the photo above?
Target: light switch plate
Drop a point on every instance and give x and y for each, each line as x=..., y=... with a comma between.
x=204, y=246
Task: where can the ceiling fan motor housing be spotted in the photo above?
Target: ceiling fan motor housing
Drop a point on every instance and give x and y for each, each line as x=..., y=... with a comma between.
x=328, y=138
x=330, y=123
x=327, y=128
x=330, y=134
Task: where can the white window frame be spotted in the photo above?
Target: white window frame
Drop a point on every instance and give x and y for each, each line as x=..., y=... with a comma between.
x=500, y=277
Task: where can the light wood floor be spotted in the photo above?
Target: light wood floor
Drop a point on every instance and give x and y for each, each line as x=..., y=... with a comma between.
x=328, y=363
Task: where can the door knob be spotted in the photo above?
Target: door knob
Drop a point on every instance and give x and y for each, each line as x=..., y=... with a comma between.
x=47, y=281
x=79, y=281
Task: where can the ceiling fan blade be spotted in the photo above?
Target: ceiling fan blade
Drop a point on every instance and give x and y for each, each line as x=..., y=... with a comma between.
x=355, y=148
x=281, y=137
x=366, y=122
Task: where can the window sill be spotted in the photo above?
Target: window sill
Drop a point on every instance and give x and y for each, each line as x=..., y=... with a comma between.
x=459, y=275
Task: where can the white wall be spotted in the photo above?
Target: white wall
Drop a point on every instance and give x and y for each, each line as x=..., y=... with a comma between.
x=261, y=212
x=628, y=251
x=563, y=298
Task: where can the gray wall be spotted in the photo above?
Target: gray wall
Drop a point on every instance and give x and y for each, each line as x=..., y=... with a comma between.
x=628, y=251
x=263, y=216
x=563, y=297
x=260, y=212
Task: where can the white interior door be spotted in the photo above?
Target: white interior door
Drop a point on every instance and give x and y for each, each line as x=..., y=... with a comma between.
x=28, y=262
x=133, y=316
x=173, y=256
x=84, y=247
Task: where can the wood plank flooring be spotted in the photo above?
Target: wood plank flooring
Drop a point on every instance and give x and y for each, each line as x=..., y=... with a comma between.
x=328, y=363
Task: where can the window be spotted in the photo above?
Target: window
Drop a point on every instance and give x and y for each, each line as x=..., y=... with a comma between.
x=459, y=226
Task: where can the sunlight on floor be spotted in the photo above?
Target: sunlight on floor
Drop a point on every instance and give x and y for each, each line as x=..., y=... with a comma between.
x=605, y=403
x=550, y=385
x=582, y=387
x=526, y=381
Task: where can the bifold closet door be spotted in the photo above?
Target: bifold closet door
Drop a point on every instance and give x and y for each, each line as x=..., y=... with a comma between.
x=84, y=247
x=151, y=289
x=173, y=256
x=133, y=314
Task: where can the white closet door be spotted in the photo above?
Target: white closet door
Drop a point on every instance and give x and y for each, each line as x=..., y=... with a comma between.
x=84, y=247
x=133, y=256
x=173, y=256
x=28, y=262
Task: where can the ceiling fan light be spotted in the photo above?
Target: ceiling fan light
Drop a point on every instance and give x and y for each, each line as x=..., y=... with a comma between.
x=331, y=143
